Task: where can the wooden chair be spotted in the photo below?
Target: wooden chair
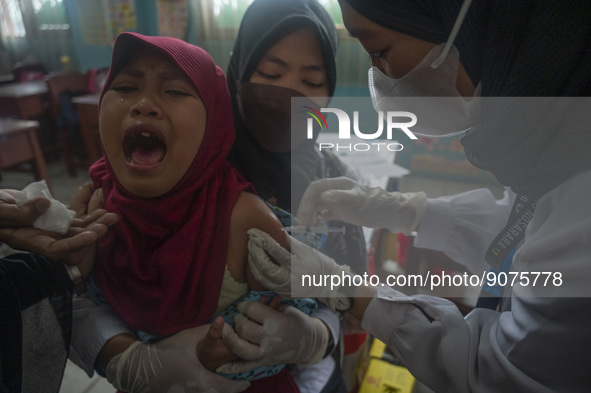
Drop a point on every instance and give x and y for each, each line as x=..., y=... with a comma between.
x=62, y=87
x=27, y=72
x=19, y=145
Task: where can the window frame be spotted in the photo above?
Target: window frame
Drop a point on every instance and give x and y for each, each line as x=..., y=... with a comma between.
x=14, y=24
x=210, y=31
x=32, y=27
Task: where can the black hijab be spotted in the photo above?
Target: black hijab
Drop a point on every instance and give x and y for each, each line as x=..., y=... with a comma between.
x=526, y=48
x=264, y=24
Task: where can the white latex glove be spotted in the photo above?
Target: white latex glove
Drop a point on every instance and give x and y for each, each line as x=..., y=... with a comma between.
x=169, y=366
x=344, y=199
x=267, y=336
x=284, y=276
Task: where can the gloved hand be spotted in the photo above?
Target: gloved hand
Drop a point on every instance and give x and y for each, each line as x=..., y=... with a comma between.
x=170, y=365
x=284, y=276
x=344, y=199
x=266, y=337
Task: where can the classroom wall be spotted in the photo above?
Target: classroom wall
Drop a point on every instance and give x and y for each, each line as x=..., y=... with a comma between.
x=49, y=48
x=99, y=56
x=352, y=61
x=352, y=73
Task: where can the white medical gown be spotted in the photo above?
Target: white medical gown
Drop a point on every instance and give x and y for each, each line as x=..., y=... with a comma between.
x=539, y=343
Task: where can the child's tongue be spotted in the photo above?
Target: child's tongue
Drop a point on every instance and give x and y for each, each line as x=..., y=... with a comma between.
x=147, y=155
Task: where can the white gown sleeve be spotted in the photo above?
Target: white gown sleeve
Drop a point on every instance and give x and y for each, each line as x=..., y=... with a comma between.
x=462, y=226
x=331, y=320
x=92, y=326
x=312, y=379
x=541, y=345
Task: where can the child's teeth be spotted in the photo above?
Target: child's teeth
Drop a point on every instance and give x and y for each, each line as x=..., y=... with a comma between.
x=146, y=134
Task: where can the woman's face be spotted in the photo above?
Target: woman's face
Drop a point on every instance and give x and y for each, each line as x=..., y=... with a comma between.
x=152, y=123
x=394, y=53
x=296, y=63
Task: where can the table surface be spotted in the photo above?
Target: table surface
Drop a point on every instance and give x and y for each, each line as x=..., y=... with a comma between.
x=7, y=78
x=23, y=89
x=8, y=126
x=89, y=99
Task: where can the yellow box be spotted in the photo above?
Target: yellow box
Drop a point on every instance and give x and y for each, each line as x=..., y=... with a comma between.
x=384, y=377
x=377, y=349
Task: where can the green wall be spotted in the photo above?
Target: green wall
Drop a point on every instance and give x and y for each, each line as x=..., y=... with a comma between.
x=352, y=62
x=97, y=56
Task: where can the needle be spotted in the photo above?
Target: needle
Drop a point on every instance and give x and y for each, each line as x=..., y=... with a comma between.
x=308, y=229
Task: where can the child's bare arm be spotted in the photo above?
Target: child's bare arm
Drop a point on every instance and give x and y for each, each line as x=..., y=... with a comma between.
x=250, y=212
x=296, y=337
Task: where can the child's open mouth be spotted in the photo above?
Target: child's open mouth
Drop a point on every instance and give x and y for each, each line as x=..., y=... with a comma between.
x=143, y=148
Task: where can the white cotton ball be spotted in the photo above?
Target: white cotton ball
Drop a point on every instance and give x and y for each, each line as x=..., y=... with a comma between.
x=57, y=218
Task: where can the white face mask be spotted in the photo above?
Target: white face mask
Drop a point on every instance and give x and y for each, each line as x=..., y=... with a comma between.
x=429, y=91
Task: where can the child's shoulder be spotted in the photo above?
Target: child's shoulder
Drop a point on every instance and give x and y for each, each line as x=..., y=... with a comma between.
x=248, y=206
x=251, y=212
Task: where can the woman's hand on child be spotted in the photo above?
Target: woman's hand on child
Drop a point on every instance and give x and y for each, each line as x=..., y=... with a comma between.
x=91, y=222
x=86, y=200
x=212, y=352
x=168, y=365
x=265, y=336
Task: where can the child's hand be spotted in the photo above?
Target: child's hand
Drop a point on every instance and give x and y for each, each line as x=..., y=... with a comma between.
x=269, y=337
x=275, y=303
x=91, y=220
x=212, y=352
x=167, y=366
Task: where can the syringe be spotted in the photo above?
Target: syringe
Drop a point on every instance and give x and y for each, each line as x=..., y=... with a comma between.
x=311, y=229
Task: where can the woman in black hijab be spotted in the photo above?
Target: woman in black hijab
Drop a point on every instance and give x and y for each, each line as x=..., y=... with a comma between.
x=285, y=49
x=265, y=23
x=280, y=171
x=531, y=63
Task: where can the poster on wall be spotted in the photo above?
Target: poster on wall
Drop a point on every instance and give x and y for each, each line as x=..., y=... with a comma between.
x=173, y=18
x=122, y=16
x=94, y=23
x=102, y=20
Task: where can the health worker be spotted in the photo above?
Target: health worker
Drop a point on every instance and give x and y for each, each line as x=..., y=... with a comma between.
x=514, y=79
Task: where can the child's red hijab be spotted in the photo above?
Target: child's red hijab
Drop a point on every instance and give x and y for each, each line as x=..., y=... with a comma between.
x=162, y=265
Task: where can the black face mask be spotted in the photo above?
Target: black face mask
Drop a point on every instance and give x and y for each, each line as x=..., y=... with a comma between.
x=266, y=112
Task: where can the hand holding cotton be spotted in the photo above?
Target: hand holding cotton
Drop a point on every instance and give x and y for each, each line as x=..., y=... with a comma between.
x=57, y=218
